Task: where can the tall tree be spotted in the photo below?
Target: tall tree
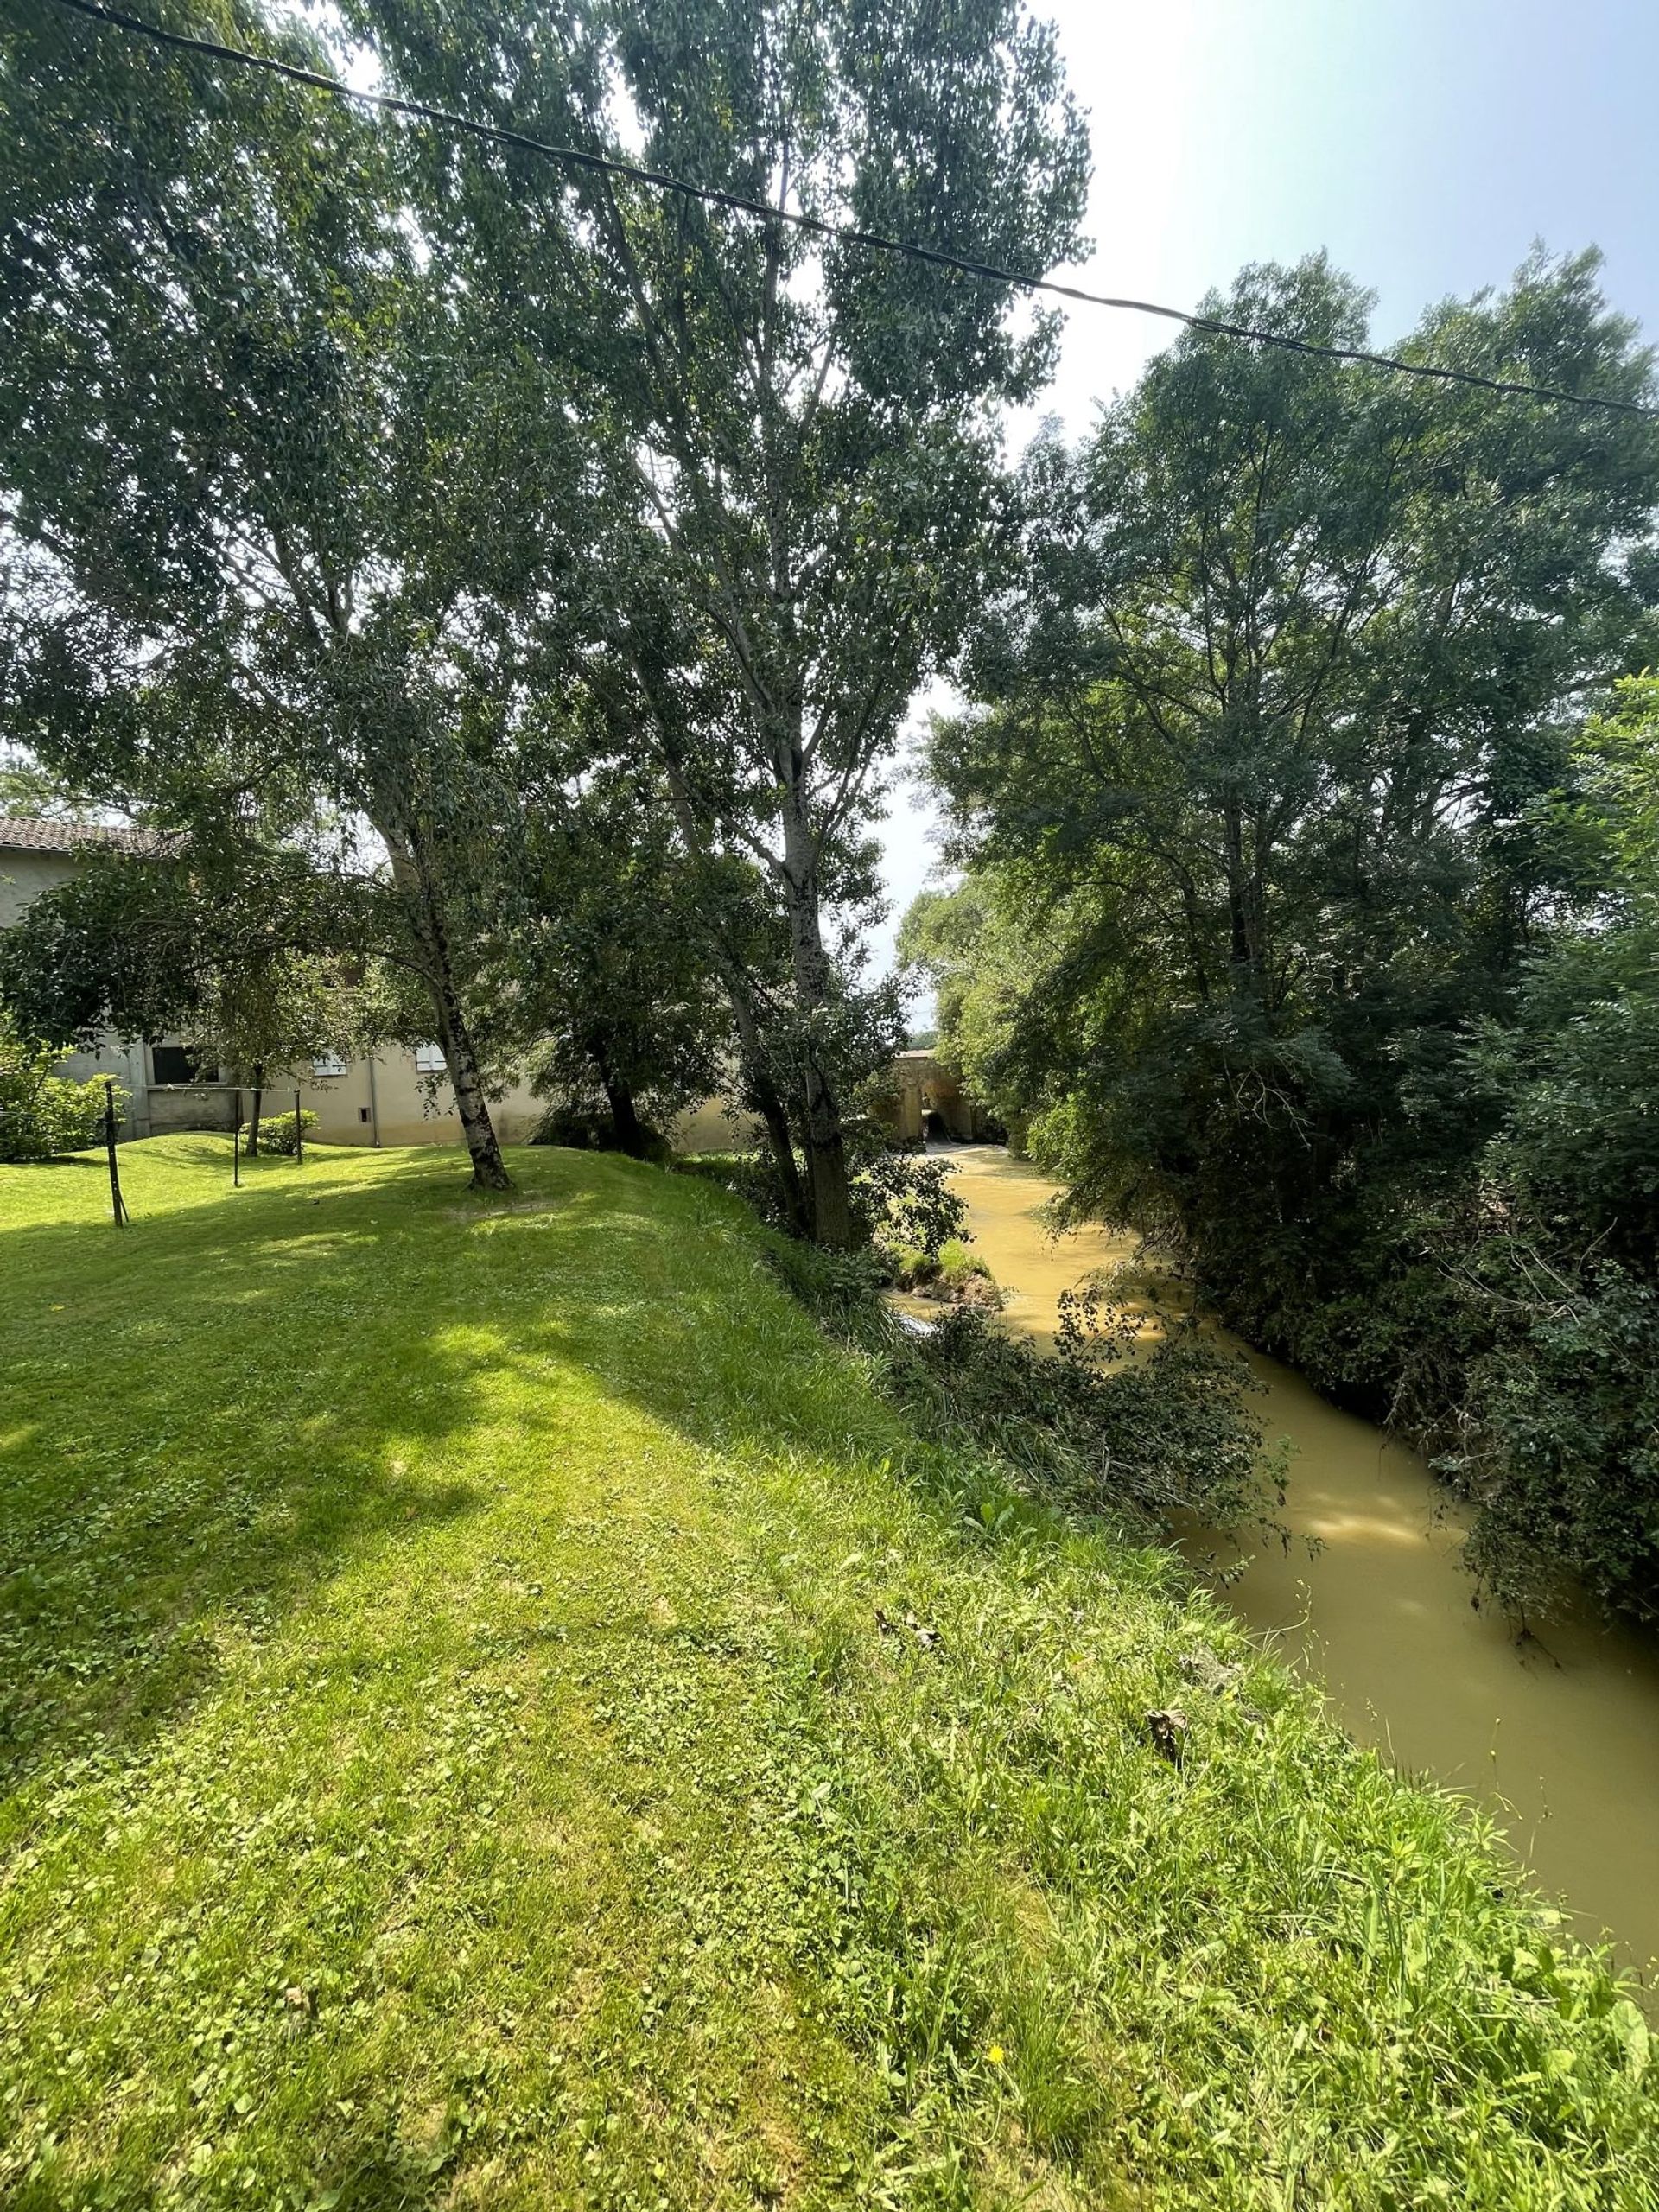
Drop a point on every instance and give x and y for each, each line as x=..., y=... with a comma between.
x=1274, y=900
x=815, y=423
x=1259, y=734
x=600, y=973
x=276, y=501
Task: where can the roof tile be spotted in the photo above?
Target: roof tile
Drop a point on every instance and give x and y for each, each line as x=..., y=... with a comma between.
x=30, y=834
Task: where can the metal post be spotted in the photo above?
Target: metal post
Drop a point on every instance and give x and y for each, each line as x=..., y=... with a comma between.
x=299, y=1153
x=236, y=1140
x=118, y=1204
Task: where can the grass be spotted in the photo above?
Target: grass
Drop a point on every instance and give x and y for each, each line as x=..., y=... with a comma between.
x=958, y=1274
x=500, y=1712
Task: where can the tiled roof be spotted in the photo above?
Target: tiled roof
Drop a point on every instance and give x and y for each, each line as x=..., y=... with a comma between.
x=23, y=834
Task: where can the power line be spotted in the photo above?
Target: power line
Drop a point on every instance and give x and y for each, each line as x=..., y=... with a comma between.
x=837, y=233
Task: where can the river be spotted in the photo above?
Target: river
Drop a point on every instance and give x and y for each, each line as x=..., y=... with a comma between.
x=1561, y=1738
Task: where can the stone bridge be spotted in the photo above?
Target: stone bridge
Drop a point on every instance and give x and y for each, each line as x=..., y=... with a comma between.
x=924, y=1099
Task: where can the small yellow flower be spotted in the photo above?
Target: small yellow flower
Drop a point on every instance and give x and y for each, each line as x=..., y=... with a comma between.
x=995, y=2054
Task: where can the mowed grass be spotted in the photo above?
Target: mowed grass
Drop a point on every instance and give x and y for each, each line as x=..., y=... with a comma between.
x=500, y=1711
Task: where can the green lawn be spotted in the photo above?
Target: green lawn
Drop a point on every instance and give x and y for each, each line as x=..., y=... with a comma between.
x=500, y=1711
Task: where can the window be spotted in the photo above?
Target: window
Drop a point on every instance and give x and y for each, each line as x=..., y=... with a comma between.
x=362, y=1112
x=328, y=1063
x=428, y=1059
x=177, y=1064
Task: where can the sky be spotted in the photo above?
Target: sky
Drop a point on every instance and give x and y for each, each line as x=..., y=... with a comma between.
x=1424, y=144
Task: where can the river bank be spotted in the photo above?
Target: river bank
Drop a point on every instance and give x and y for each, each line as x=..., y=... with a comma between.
x=501, y=1708
x=1559, y=1735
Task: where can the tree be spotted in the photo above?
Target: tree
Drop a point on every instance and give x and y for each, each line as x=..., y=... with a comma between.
x=813, y=424
x=302, y=570
x=1276, y=832
x=602, y=978
x=1258, y=739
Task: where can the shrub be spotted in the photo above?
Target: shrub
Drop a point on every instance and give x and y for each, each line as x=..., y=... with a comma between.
x=1106, y=1419
x=1559, y=1448
x=42, y=1115
x=956, y=1275
x=583, y=1127
x=904, y=1205
x=752, y=1176
x=1106, y=1423
x=903, y=1208
x=842, y=1289
x=277, y=1131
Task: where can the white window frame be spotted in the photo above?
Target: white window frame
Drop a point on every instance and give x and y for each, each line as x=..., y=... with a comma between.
x=326, y=1065
x=429, y=1060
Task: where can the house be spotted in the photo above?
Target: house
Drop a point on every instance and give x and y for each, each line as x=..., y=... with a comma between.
x=396, y=1096
x=36, y=856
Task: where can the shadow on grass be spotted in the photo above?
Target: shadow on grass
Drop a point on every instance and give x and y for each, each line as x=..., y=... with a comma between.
x=205, y=1417
x=63, y=1162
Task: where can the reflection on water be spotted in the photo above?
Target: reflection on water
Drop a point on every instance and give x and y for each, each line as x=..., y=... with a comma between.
x=1562, y=1735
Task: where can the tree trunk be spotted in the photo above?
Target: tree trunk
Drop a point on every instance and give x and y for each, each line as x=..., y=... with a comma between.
x=760, y=1089
x=414, y=878
x=626, y=1125
x=764, y=1094
x=489, y=1170
x=826, y=1151
x=1237, y=916
x=253, y=1110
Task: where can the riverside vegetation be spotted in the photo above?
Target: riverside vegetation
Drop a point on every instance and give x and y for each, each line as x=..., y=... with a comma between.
x=1306, y=802
x=503, y=1708
x=504, y=634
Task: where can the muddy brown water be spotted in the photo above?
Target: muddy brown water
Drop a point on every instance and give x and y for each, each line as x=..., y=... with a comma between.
x=1560, y=1740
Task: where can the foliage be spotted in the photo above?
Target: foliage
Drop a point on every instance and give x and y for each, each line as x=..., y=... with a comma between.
x=904, y=1208
x=296, y=595
x=589, y=1128
x=601, y=974
x=42, y=1115
x=842, y=1289
x=954, y=1274
x=903, y=1201
x=1276, y=827
x=277, y=1133
x=424, y=1656
x=253, y=955
x=814, y=429
x=1108, y=1422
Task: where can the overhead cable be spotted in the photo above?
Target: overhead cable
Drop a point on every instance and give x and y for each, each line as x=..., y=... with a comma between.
x=837, y=233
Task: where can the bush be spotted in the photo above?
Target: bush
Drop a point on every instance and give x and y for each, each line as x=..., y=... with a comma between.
x=956, y=1275
x=1559, y=1445
x=582, y=1128
x=842, y=1289
x=277, y=1131
x=1104, y=1424
x=750, y=1176
x=1106, y=1420
x=904, y=1204
x=42, y=1115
